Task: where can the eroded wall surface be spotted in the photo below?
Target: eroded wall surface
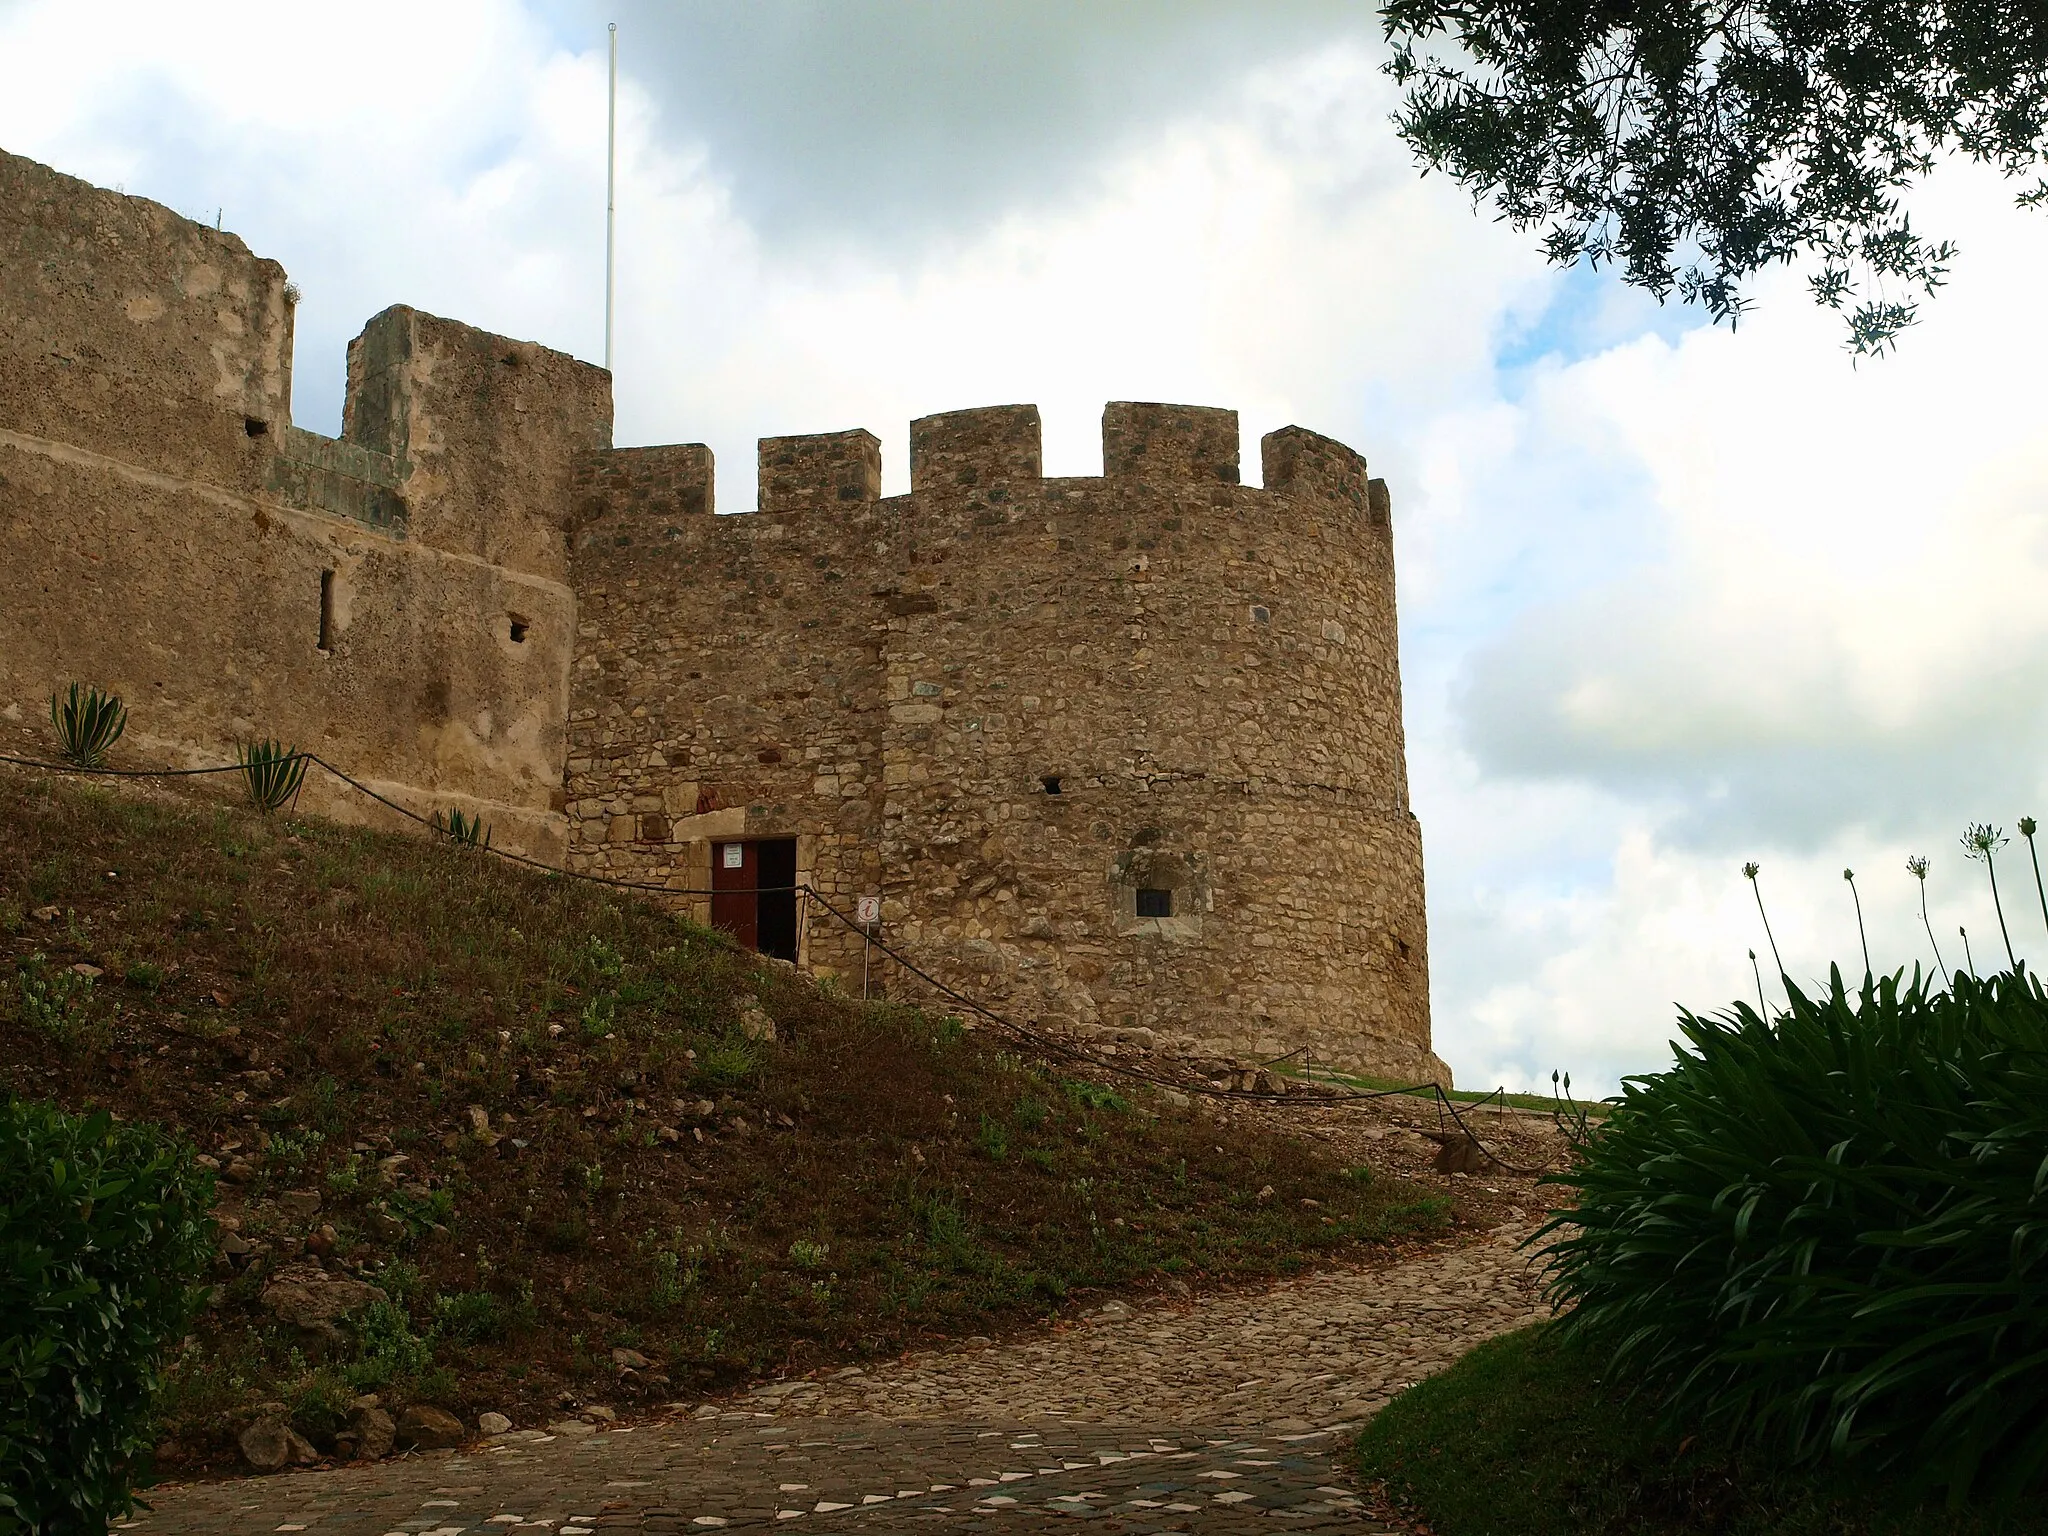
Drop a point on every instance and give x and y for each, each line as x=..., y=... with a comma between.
x=1006, y=704
x=166, y=532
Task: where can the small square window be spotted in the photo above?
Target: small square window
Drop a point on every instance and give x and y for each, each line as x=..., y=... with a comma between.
x=1154, y=902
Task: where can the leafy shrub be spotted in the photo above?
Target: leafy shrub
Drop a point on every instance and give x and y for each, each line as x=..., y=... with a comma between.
x=88, y=724
x=102, y=1237
x=993, y=1138
x=386, y=1348
x=805, y=1253
x=57, y=1003
x=470, y=1317
x=1094, y=1096
x=1830, y=1231
x=728, y=1064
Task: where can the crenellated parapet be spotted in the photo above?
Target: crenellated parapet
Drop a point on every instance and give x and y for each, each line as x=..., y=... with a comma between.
x=820, y=473
x=985, y=452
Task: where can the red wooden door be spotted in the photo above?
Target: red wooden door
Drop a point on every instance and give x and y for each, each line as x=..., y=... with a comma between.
x=735, y=877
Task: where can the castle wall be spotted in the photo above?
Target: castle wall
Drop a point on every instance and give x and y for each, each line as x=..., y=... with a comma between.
x=1206, y=671
x=1007, y=705
x=167, y=533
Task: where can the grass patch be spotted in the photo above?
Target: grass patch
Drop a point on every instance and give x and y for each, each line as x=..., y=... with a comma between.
x=530, y=1113
x=1523, y=1437
x=1543, y=1103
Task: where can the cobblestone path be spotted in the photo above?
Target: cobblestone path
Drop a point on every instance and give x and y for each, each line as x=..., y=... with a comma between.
x=1229, y=1414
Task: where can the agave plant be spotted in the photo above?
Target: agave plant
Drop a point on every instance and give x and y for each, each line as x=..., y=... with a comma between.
x=88, y=723
x=470, y=831
x=272, y=771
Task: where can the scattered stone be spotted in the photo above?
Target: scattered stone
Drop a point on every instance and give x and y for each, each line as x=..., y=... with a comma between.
x=314, y=1302
x=47, y=914
x=426, y=1428
x=238, y=1171
x=371, y=1431
x=755, y=1023
x=323, y=1242
x=300, y=1204
x=630, y=1360
x=572, y=1427
x=600, y=1413
x=1265, y=1194
x=271, y=1445
x=1458, y=1153
x=89, y=972
x=493, y=1424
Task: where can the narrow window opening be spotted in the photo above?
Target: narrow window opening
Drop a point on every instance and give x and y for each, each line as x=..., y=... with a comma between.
x=326, y=612
x=1052, y=783
x=518, y=623
x=255, y=426
x=1154, y=902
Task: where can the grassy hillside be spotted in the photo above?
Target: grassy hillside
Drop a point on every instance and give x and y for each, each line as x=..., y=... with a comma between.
x=541, y=1119
x=1528, y=1435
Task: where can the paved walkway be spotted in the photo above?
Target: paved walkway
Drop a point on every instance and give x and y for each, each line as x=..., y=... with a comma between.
x=1229, y=1414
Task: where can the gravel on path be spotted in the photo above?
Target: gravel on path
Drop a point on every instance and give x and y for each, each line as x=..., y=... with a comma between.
x=1091, y=1421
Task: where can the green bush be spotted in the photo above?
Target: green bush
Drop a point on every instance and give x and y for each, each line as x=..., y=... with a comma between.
x=103, y=1234
x=1828, y=1232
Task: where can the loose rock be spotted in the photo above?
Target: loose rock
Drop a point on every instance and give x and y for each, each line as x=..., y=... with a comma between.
x=313, y=1302
x=426, y=1428
x=270, y=1445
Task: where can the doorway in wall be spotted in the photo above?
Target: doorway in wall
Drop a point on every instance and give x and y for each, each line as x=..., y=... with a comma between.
x=753, y=886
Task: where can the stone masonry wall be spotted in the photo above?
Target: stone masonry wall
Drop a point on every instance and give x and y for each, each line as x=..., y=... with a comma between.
x=1205, y=673
x=166, y=532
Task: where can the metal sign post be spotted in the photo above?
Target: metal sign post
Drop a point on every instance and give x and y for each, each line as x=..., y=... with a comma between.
x=867, y=912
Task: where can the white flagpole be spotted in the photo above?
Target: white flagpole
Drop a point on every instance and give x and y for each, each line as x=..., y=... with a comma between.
x=611, y=152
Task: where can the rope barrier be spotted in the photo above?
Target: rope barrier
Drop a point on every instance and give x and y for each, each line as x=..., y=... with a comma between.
x=1043, y=1042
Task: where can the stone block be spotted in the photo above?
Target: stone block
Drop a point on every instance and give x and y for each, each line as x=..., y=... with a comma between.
x=985, y=450
x=1169, y=444
x=820, y=472
x=1298, y=462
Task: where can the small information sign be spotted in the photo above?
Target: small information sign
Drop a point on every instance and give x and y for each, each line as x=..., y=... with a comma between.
x=735, y=855
x=867, y=910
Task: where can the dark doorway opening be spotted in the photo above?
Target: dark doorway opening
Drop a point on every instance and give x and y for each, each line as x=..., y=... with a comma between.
x=753, y=896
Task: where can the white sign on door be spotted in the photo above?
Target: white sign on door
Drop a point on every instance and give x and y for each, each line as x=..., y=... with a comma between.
x=735, y=855
x=868, y=910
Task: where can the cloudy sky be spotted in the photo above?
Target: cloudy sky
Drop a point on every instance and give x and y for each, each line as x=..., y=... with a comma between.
x=1671, y=598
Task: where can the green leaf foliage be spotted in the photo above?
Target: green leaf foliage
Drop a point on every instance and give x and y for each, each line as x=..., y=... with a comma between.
x=1828, y=1232
x=1695, y=143
x=103, y=1234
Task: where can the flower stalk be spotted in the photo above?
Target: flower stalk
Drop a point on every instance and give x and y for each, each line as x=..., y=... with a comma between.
x=1916, y=866
x=1749, y=873
x=2027, y=831
x=1981, y=841
x=1850, y=876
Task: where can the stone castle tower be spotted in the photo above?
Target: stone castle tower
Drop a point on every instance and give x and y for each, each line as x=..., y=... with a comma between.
x=1120, y=752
